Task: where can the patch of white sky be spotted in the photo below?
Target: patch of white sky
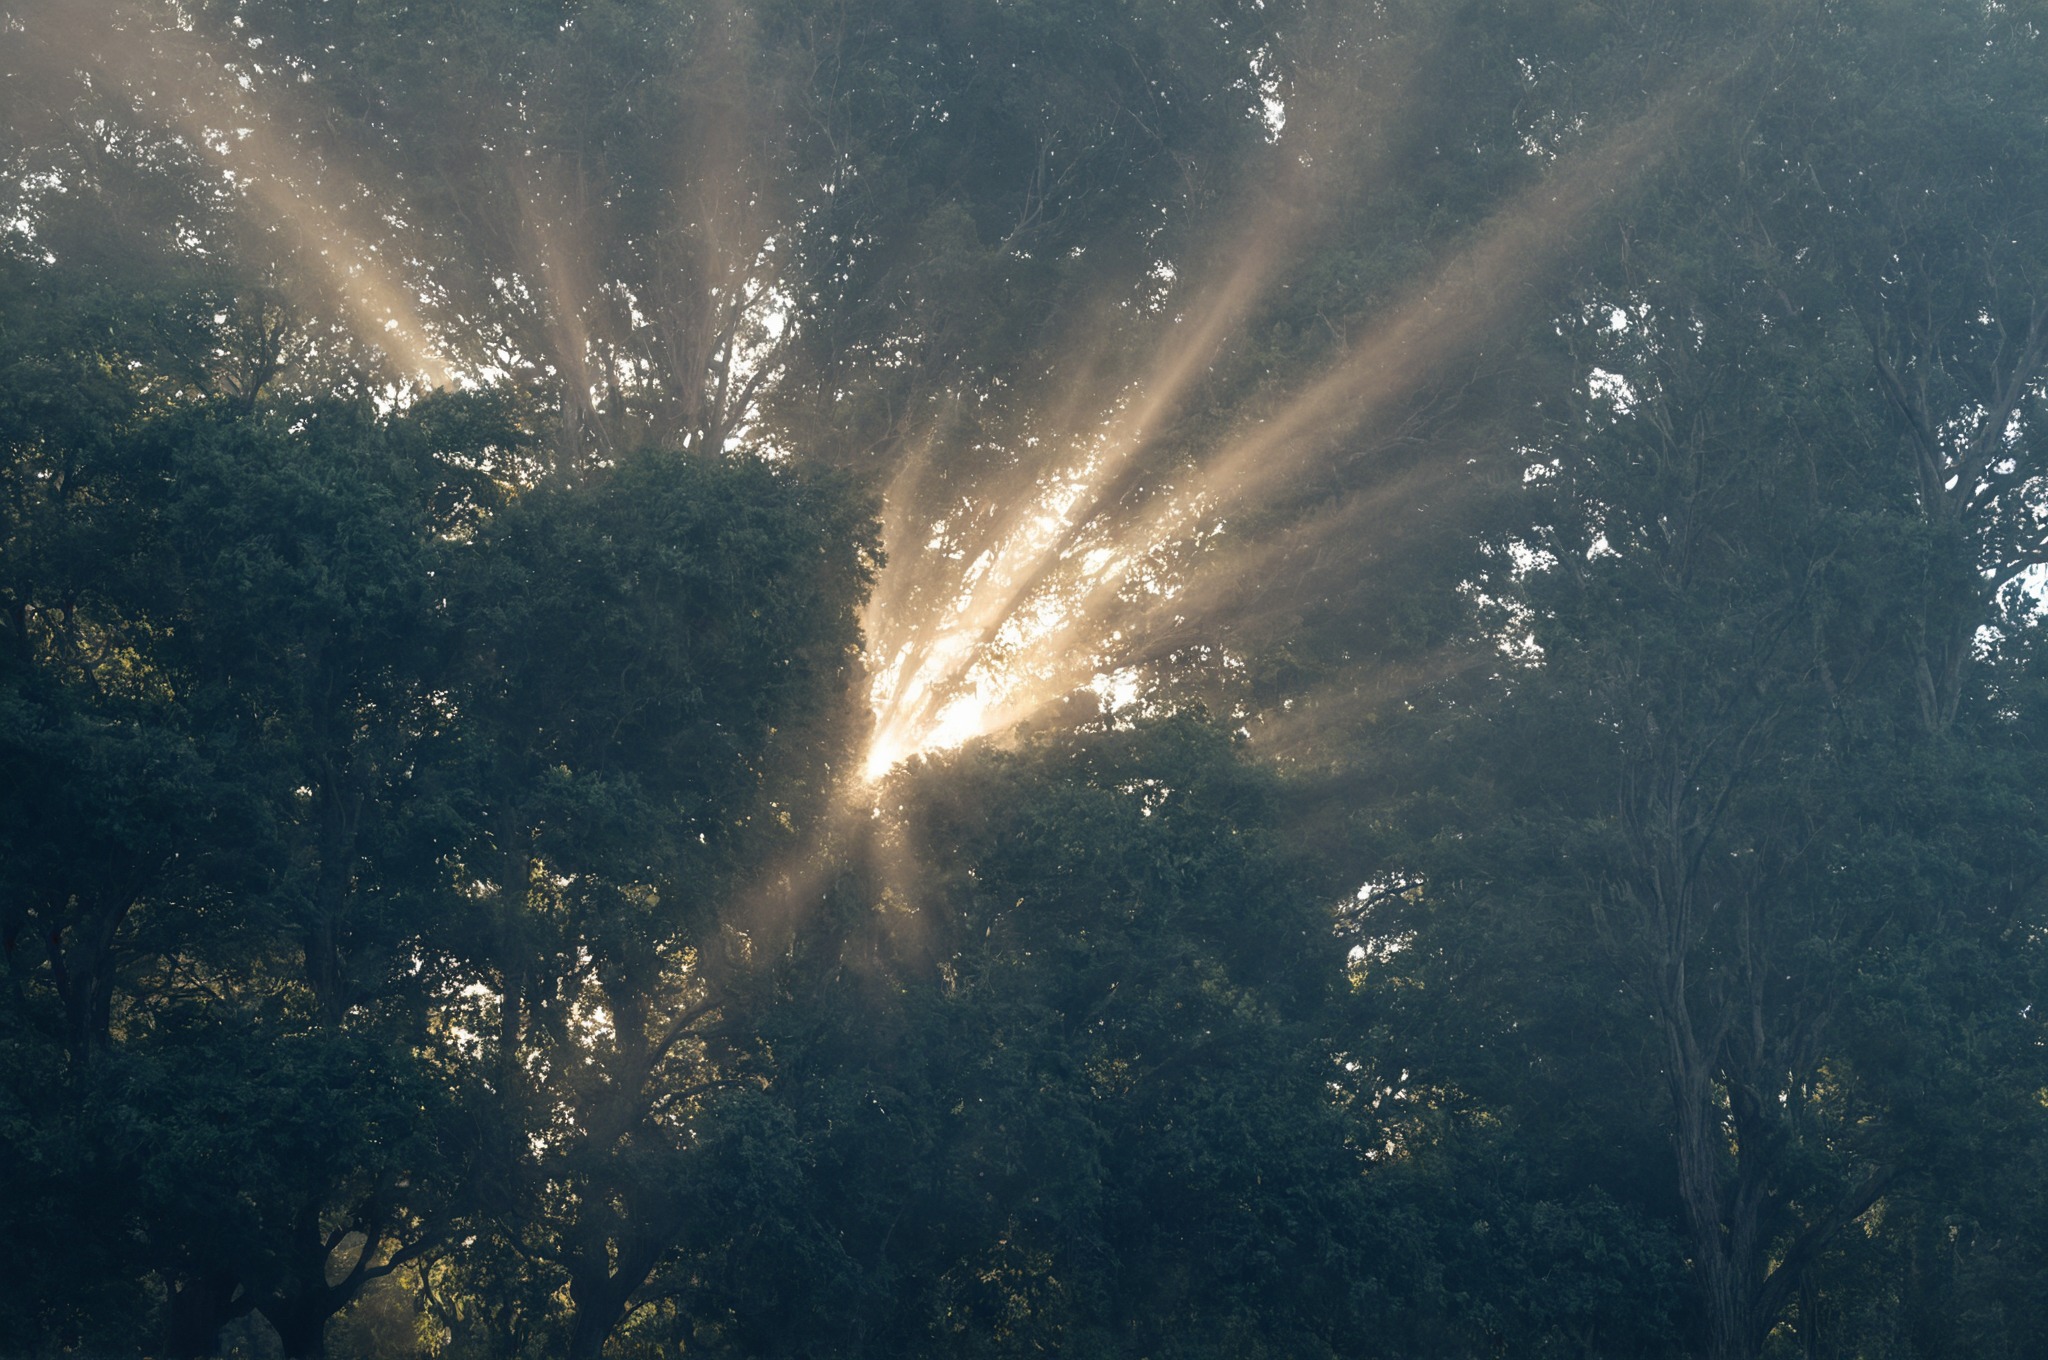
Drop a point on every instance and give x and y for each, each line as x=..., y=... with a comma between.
x=1606, y=385
x=32, y=187
x=1267, y=81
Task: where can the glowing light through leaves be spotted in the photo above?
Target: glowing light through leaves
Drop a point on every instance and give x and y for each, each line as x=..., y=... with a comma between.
x=223, y=112
x=1089, y=555
x=1086, y=569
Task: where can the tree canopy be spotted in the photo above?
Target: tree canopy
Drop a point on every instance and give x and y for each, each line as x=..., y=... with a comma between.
x=783, y=678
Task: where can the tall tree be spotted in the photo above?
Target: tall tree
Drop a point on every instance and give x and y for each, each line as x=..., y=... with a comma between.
x=657, y=683
x=1731, y=773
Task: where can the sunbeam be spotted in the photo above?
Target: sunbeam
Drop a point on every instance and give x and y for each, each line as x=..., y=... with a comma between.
x=1080, y=573
x=551, y=237
x=170, y=73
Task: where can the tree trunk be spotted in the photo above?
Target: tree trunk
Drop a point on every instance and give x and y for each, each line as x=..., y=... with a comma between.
x=199, y=1309
x=1725, y=1277
x=82, y=965
x=602, y=1279
x=1726, y=1249
x=301, y=1325
x=300, y=1301
x=599, y=1305
x=326, y=975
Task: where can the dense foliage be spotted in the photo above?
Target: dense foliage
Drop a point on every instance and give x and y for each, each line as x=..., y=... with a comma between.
x=1553, y=863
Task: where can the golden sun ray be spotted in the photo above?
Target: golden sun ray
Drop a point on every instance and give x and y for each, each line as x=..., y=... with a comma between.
x=169, y=72
x=1037, y=614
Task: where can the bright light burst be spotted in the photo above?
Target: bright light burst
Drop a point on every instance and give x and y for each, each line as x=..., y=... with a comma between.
x=967, y=645
x=1079, y=571
x=224, y=111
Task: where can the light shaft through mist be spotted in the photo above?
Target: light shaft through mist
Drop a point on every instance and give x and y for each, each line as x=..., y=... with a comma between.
x=1074, y=575
x=170, y=73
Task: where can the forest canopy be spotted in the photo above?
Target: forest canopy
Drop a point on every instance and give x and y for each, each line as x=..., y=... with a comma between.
x=1172, y=678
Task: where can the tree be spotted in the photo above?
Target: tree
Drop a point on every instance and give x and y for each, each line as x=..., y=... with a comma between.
x=1070, y=1090
x=1584, y=457
x=656, y=685
x=1724, y=771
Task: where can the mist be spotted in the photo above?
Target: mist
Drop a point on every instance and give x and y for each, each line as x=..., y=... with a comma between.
x=1260, y=677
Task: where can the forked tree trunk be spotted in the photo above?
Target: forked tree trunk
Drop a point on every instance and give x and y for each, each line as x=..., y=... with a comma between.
x=1723, y=1236
x=199, y=1308
x=599, y=1303
x=301, y=1327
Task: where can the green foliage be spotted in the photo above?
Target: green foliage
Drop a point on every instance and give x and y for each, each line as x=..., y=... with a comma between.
x=1069, y=1089
x=439, y=910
